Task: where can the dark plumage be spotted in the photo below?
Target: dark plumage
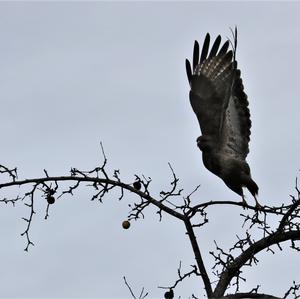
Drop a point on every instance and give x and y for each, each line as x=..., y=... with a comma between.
x=218, y=99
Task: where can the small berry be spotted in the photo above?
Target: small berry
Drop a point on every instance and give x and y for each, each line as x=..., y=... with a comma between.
x=50, y=200
x=126, y=224
x=169, y=294
x=137, y=185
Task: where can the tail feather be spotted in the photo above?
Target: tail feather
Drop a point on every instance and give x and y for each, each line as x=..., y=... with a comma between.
x=252, y=187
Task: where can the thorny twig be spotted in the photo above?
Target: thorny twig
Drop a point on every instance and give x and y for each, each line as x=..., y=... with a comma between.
x=12, y=173
x=29, y=219
x=293, y=290
x=142, y=294
x=182, y=277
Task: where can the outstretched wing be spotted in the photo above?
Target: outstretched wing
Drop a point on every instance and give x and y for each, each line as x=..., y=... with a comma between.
x=211, y=83
x=218, y=99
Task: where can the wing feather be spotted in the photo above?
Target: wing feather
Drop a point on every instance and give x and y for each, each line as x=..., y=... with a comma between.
x=215, y=47
x=224, y=48
x=196, y=54
x=205, y=48
x=188, y=70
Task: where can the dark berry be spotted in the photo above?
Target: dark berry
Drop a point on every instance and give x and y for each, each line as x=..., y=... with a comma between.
x=50, y=200
x=137, y=185
x=169, y=294
x=126, y=224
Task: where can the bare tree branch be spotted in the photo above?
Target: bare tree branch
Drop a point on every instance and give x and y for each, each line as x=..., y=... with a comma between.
x=230, y=275
x=198, y=257
x=251, y=295
x=234, y=266
x=102, y=182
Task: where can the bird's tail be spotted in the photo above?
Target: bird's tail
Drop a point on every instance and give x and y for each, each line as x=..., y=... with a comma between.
x=252, y=187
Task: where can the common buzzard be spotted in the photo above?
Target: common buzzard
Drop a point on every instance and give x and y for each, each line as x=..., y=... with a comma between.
x=217, y=97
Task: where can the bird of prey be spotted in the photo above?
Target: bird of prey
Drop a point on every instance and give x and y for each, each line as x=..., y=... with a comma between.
x=218, y=99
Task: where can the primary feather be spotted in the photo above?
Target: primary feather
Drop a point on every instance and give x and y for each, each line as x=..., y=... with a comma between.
x=218, y=99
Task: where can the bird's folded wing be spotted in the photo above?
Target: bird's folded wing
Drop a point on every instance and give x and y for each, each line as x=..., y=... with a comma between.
x=236, y=124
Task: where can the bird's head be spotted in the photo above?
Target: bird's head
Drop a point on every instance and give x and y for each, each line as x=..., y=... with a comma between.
x=205, y=143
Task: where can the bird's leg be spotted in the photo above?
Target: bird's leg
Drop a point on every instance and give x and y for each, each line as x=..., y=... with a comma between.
x=257, y=205
x=245, y=204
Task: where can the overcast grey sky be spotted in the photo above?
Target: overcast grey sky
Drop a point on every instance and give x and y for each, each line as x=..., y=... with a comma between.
x=75, y=74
